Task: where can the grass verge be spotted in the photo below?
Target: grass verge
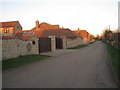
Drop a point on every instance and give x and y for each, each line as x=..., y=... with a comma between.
x=78, y=47
x=114, y=53
x=91, y=42
x=22, y=60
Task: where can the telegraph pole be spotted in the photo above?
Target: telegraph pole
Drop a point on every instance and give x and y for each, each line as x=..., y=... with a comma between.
x=109, y=27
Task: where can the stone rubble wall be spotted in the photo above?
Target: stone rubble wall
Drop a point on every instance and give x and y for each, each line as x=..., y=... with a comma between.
x=73, y=43
x=12, y=48
x=64, y=42
x=86, y=41
x=53, y=43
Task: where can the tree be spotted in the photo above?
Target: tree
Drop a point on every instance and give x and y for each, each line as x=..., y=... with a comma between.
x=107, y=34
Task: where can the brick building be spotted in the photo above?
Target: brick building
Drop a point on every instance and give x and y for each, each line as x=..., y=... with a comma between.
x=10, y=28
x=45, y=30
x=84, y=34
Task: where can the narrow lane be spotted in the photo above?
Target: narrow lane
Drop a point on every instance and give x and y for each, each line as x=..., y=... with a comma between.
x=87, y=67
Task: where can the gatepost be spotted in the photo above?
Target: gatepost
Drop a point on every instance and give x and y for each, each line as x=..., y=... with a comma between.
x=53, y=43
x=64, y=42
x=35, y=42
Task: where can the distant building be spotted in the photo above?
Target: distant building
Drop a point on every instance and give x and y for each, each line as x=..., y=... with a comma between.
x=84, y=34
x=10, y=28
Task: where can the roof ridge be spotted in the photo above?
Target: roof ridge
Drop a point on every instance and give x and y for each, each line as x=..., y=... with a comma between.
x=9, y=21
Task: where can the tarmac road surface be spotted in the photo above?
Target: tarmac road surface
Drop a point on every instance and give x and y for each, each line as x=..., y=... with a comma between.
x=88, y=67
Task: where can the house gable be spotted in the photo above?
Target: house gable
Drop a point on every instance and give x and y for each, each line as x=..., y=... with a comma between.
x=9, y=28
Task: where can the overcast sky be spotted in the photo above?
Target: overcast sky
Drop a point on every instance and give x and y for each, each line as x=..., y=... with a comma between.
x=91, y=15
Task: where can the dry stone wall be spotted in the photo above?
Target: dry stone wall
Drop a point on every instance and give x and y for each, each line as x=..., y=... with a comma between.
x=12, y=48
x=73, y=43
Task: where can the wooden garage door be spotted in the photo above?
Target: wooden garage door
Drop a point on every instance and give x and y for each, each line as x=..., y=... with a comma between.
x=44, y=45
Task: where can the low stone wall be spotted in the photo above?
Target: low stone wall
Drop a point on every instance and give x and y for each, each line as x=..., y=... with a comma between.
x=12, y=48
x=86, y=41
x=73, y=43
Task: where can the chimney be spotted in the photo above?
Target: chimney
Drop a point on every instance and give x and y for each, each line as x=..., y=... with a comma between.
x=37, y=24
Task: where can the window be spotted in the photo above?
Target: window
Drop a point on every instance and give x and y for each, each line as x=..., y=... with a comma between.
x=31, y=32
x=6, y=30
x=24, y=33
x=33, y=42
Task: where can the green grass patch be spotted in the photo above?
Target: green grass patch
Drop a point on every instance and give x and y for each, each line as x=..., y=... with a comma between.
x=114, y=53
x=91, y=42
x=22, y=60
x=78, y=47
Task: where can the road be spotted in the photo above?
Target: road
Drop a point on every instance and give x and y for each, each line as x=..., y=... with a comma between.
x=88, y=67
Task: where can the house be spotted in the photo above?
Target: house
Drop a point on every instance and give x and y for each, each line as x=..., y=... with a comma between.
x=25, y=34
x=45, y=30
x=84, y=34
x=10, y=28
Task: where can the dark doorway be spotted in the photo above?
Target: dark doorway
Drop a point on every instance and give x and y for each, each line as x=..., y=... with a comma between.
x=44, y=45
x=59, y=44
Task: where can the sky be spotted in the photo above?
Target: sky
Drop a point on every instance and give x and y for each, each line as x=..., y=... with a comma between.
x=91, y=15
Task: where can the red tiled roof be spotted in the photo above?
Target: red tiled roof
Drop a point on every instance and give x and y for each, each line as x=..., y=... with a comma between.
x=81, y=33
x=9, y=37
x=15, y=37
x=55, y=32
x=21, y=35
x=8, y=24
x=55, y=26
x=44, y=26
x=47, y=33
x=46, y=30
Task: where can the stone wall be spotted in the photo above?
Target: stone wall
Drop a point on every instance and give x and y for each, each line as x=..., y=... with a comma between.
x=12, y=48
x=86, y=41
x=53, y=43
x=17, y=27
x=64, y=42
x=73, y=43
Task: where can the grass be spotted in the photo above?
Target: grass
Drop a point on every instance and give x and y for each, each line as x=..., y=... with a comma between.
x=91, y=42
x=78, y=47
x=114, y=53
x=22, y=60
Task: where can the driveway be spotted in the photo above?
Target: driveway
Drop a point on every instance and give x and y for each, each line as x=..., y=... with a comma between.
x=87, y=67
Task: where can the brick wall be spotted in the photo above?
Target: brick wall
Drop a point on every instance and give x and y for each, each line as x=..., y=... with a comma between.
x=12, y=48
x=10, y=33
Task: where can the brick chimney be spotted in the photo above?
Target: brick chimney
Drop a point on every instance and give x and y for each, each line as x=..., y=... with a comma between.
x=37, y=24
